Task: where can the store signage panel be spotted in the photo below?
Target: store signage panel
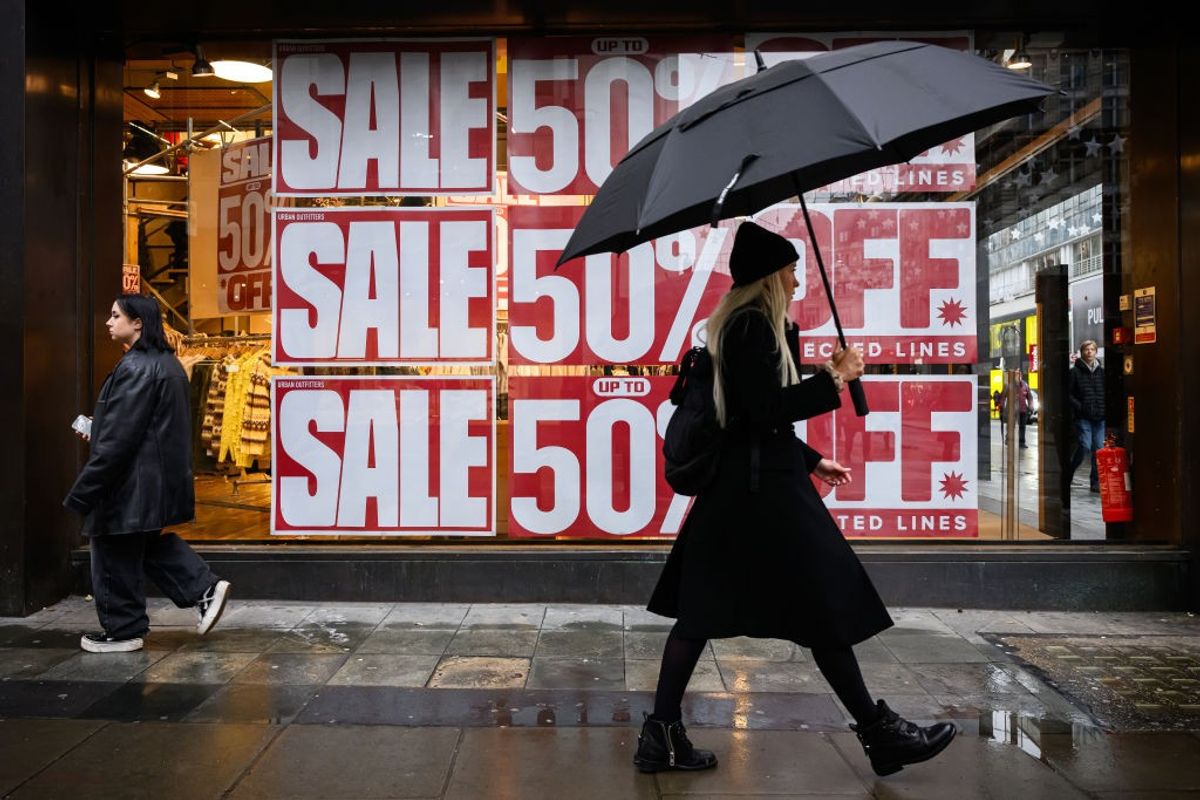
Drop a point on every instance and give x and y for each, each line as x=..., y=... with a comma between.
x=913, y=457
x=384, y=286
x=577, y=104
x=385, y=117
x=244, y=203
x=949, y=167
x=640, y=307
x=585, y=458
x=903, y=275
x=383, y=456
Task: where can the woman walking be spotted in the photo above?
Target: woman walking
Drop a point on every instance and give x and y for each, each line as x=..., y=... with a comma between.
x=759, y=554
x=137, y=480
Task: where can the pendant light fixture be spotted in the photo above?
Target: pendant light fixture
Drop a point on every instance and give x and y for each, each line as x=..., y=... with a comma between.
x=154, y=88
x=200, y=67
x=1019, y=59
x=239, y=71
x=143, y=143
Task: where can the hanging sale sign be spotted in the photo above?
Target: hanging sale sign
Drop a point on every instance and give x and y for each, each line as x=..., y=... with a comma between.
x=244, y=227
x=903, y=275
x=949, y=167
x=383, y=456
x=576, y=105
x=387, y=116
x=586, y=458
x=131, y=278
x=383, y=286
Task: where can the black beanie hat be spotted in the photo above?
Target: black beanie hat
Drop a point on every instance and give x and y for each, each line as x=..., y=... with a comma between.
x=757, y=252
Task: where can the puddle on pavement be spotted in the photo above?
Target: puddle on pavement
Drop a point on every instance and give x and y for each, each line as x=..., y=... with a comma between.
x=1034, y=736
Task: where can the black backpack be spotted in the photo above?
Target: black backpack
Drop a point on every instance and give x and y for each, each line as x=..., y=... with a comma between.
x=692, y=443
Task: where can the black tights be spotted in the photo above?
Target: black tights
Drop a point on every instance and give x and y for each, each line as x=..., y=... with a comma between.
x=838, y=665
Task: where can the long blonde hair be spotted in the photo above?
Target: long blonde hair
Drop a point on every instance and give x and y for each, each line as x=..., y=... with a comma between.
x=769, y=296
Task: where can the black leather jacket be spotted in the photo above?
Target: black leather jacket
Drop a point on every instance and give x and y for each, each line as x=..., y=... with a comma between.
x=138, y=476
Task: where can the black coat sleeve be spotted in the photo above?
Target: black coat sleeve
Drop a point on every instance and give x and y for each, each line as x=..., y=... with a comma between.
x=128, y=408
x=811, y=457
x=751, y=366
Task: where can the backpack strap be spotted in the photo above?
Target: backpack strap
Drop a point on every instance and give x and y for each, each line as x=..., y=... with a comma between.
x=685, y=370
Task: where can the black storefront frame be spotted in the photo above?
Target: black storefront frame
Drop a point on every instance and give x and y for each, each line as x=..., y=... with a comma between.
x=60, y=91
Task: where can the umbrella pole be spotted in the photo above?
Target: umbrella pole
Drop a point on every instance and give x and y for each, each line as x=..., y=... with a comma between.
x=856, y=388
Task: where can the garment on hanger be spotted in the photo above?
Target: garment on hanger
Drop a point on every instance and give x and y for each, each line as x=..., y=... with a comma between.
x=214, y=409
x=256, y=415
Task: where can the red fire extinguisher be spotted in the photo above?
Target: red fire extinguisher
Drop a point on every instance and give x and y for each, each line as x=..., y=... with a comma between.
x=1116, y=495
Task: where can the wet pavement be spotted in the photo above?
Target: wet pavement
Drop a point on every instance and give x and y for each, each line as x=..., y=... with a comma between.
x=300, y=700
x=1125, y=681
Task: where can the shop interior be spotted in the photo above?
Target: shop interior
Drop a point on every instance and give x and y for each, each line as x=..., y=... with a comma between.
x=1049, y=196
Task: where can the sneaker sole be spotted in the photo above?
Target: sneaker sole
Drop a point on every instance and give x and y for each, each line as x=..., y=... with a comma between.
x=892, y=769
x=216, y=610
x=127, y=646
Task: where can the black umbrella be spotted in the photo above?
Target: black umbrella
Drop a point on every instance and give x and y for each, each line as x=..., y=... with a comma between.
x=795, y=127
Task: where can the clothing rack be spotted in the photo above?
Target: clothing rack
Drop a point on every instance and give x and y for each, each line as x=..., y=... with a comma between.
x=226, y=338
x=219, y=343
x=245, y=477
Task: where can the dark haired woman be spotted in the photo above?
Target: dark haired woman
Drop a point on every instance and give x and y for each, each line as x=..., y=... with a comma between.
x=759, y=554
x=138, y=480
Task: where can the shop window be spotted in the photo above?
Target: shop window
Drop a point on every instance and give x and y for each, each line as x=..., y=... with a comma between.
x=1031, y=192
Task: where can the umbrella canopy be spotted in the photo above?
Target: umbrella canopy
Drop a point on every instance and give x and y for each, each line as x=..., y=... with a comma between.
x=794, y=127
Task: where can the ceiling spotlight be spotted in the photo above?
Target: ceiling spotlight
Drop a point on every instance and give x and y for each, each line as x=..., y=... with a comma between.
x=1020, y=60
x=201, y=68
x=152, y=90
x=241, y=71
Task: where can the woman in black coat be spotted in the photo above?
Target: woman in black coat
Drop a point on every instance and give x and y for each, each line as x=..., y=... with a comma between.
x=137, y=480
x=759, y=554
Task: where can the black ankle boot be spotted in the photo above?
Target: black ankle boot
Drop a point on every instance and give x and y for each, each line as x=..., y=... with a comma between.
x=665, y=745
x=891, y=741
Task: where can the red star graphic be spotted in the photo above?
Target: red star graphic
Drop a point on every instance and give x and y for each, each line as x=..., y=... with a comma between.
x=953, y=485
x=953, y=148
x=952, y=313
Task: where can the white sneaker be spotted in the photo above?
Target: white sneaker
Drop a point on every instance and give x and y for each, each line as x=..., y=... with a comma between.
x=103, y=643
x=210, y=606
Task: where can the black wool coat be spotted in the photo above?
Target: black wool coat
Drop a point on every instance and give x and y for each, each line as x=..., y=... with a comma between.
x=767, y=561
x=138, y=476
